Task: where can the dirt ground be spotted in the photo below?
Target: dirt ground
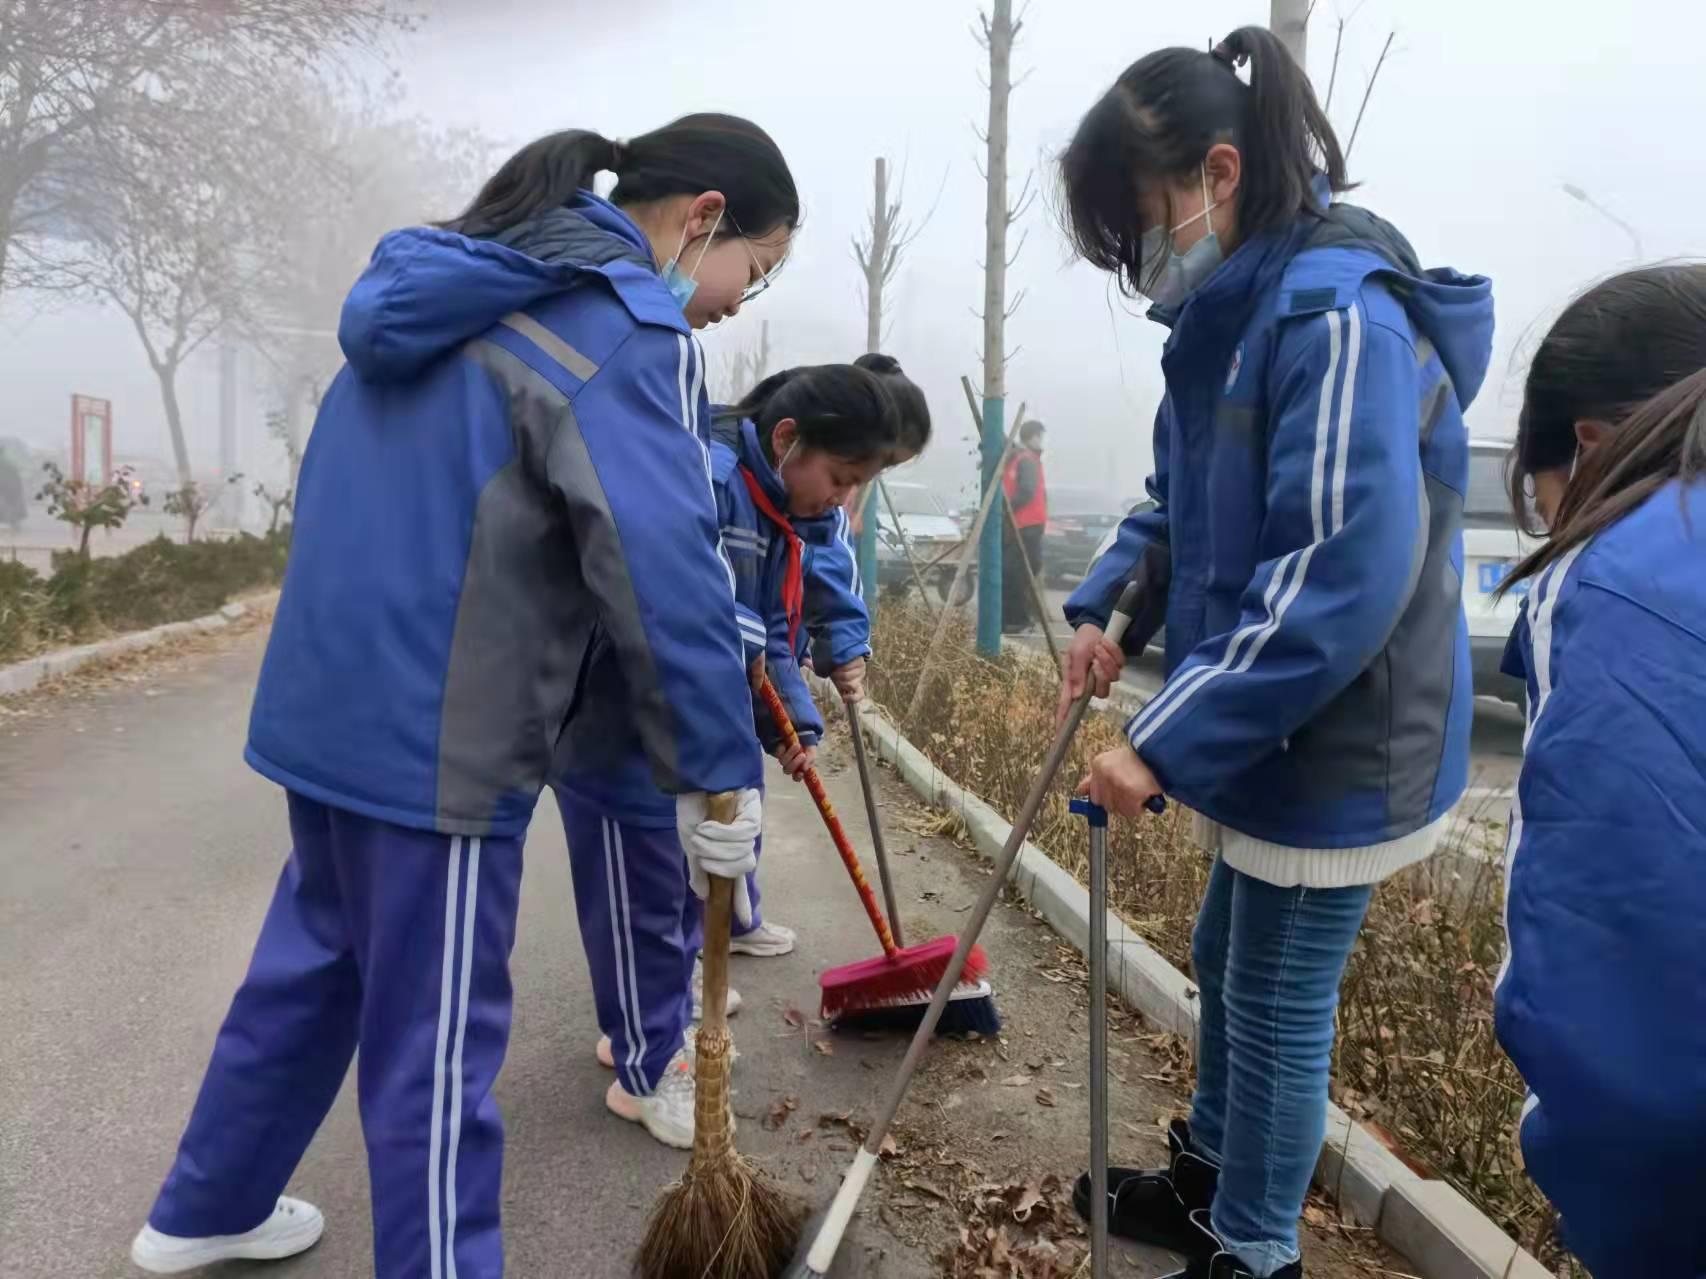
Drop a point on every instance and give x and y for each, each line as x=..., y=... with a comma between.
x=994, y=1132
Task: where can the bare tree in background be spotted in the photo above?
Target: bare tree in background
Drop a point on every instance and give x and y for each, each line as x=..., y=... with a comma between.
x=74, y=75
x=374, y=171
x=999, y=31
x=740, y=370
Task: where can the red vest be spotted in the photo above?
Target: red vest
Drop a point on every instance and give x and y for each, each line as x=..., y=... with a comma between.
x=1035, y=511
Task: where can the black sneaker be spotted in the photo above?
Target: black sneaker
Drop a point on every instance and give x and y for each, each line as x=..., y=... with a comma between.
x=1154, y=1206
x=1210, y=1260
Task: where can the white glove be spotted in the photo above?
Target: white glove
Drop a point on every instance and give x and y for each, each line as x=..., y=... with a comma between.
x=712, y=848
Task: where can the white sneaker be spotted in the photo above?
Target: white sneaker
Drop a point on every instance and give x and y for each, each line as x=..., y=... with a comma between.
x=293, y=1227
x=731, y=1005
x=766, y=941
x=689, y=1044
x=668, y=1113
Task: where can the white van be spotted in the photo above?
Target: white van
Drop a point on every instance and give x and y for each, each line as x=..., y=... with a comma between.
x=1491, y=548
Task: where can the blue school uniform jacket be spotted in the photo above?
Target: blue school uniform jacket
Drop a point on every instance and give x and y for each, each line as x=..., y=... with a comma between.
x=599, y=760
x=1602, y=1000
x=508, y=480
x=1305, y=546
x=758, y=551
x=836, y=617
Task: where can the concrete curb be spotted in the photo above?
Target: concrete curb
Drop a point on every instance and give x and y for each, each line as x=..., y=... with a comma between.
x=1437, y=1229
x=21, y=677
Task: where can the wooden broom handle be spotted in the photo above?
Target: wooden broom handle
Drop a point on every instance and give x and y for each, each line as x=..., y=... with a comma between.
x=837, y=833
x=719, y=908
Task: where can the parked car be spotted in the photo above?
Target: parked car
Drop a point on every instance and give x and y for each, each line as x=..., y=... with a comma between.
x=932, y=535
x=1491, y=548
x=1078, y=519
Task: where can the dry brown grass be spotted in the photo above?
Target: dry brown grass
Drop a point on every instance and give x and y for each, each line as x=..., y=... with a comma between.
x=1415, y=1054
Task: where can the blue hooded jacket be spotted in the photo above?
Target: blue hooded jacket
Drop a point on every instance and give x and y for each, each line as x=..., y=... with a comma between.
x=1305, y=548
x=508, y=478
x=1602, y=999
x=601, y=762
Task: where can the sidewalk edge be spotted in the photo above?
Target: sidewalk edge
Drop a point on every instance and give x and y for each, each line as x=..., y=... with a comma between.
x=1438, y=1230
x=31, y=673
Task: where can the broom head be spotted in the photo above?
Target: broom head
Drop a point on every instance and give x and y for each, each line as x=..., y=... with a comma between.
x=908, y=974
x=724, y=1219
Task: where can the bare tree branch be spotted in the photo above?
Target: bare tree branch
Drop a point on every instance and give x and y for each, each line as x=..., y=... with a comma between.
x=1333, y=75
x=1368, y=92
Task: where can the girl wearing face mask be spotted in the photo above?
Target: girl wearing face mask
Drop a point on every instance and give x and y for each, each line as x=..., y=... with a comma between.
x=1602, y=999
x=787, y=455
x=509, y=482
x=835, y=616
x=1303, y=554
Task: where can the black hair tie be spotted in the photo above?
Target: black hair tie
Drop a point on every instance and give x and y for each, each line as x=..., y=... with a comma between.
x=1233, y=58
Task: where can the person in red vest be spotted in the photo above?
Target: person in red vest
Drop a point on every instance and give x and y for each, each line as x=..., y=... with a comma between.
x=1027, y=498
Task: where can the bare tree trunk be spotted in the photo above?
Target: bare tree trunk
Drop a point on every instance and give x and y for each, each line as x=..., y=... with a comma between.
x=877, y=269
x=998, y=215
x=1289, y=20
x=167, y=373
x=876, y=260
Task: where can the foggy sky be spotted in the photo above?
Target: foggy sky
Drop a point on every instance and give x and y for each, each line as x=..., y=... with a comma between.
x=1482, y=112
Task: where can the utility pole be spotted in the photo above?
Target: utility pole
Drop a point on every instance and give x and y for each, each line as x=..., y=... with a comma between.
x=1289, y=20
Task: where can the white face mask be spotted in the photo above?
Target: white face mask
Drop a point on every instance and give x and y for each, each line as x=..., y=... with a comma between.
x=1182, y=273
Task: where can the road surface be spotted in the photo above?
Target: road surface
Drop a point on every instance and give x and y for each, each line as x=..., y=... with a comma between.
x=138, y=858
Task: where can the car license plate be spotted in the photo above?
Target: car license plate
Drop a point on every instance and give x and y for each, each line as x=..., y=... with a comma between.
x=1492, y=572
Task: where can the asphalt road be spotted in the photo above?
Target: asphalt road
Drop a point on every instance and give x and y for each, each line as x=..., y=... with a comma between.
x=138, y=858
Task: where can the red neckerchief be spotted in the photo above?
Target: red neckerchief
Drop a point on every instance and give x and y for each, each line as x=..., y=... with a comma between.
x=793, y=577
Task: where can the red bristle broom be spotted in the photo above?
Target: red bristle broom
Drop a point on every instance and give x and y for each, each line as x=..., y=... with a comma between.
x=893, y=989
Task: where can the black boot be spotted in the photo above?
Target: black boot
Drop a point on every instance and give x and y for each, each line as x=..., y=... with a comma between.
x=1154, y=1206
x=1210, y=1260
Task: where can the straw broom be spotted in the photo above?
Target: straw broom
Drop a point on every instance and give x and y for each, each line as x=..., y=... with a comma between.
x=724, y=1219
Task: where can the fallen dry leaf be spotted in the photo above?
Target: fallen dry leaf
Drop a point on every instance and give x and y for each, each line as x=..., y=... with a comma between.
x=926, y=1188
x=889, y=1148
x=1027, y=1202
x=1045, y=1096
x=780, y=1109
x=1015, y=1081
x=795, y=1018
x=824, y=1046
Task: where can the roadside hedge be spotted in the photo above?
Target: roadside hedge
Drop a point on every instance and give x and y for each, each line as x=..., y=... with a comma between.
x=161, y=581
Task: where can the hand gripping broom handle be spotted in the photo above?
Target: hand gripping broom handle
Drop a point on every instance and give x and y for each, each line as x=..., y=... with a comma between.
x=844, y=846
x=822, y=1254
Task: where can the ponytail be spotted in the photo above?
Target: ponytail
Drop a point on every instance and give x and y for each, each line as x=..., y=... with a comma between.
x=697, y=153
x=838, y=408
x=1157, y=123
x=545, y=174
x=1286, y=136
x=909, y=400
x=1662, y=440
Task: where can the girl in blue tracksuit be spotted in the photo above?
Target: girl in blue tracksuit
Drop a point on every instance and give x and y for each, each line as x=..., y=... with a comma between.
x=1602, y=999
x=793, y=449
x=507, y=483
x=1304, y=552
x=836, y=618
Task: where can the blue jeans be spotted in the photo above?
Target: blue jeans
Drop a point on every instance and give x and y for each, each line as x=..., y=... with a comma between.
x=1268, y=962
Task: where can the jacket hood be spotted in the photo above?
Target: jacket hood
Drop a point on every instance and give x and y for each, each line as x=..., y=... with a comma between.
x=1320, y=264
x=426, y=291
x=1449, y=309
